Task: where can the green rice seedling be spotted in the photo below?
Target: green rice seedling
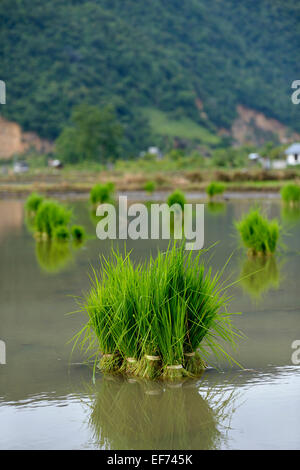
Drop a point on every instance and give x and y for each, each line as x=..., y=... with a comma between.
x=169, y=310
x=215, y=189
x=259, y=235
x=32, y=203
x=78, y=233
x=157, y=316
x=208, y=322
x=96, y=335
x=61, y=233
x=49, y=216
x=290, y=194
x=150, y=187
x=126, y=295
x=177, y=197
x=102, y=193
x=201, y=316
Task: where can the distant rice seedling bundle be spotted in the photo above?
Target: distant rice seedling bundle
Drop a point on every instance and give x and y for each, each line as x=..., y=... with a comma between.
x=214, y=189
x=258, y=234
x=50, y=215
x=32, y=203
x=49, y=220
x=78, y=233
x=290, y=194
x=177, y=197
x=156, y=320
x=102, y=193
x=150, y=186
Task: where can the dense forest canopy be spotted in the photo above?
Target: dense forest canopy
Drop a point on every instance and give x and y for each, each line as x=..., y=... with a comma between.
x=165, y=55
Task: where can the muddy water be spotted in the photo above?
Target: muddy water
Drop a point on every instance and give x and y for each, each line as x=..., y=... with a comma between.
x=48, y=400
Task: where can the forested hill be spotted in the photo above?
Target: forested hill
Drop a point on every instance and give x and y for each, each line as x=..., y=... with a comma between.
x=195, y=59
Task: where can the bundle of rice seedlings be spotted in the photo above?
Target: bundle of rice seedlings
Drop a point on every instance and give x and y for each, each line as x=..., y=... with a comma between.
x=49, y=216
x=150, y=363
x=177, y=197
x=102, y=193
x=290, y=194
x=207, y=319
x=157, y=316
x=32, y=203
x=258, y=234
x=150, y=186
x=169, y=309
x=78, y=233
x=214, y=189
x=97, y=336
x=61, y=233
x=123, y=296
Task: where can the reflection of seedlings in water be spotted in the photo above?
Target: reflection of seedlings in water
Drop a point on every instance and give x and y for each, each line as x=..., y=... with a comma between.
x=290, y=214
x=53, y=256
x=96, y=218
x=260, y=275
x=216, y=208
x=145, y=415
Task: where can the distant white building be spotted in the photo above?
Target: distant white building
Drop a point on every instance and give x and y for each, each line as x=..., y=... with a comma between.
x=20, y=167
x=263, y=161
x=279, y=164
x=55, y=163
x=152, y=151
x=293, y=154
x=155, y=151
x=254, y=157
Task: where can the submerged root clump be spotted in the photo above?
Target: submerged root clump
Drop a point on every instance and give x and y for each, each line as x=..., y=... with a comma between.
x=149, y=367
x=194, y=364
x=129, y=366
x=110, y=363
x=153, y=317
x=174, y=372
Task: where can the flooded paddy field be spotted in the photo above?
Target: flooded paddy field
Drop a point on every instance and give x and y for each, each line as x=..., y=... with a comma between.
x=47, y=397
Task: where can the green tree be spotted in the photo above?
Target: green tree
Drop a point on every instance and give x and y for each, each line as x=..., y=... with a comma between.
x=94, y=135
